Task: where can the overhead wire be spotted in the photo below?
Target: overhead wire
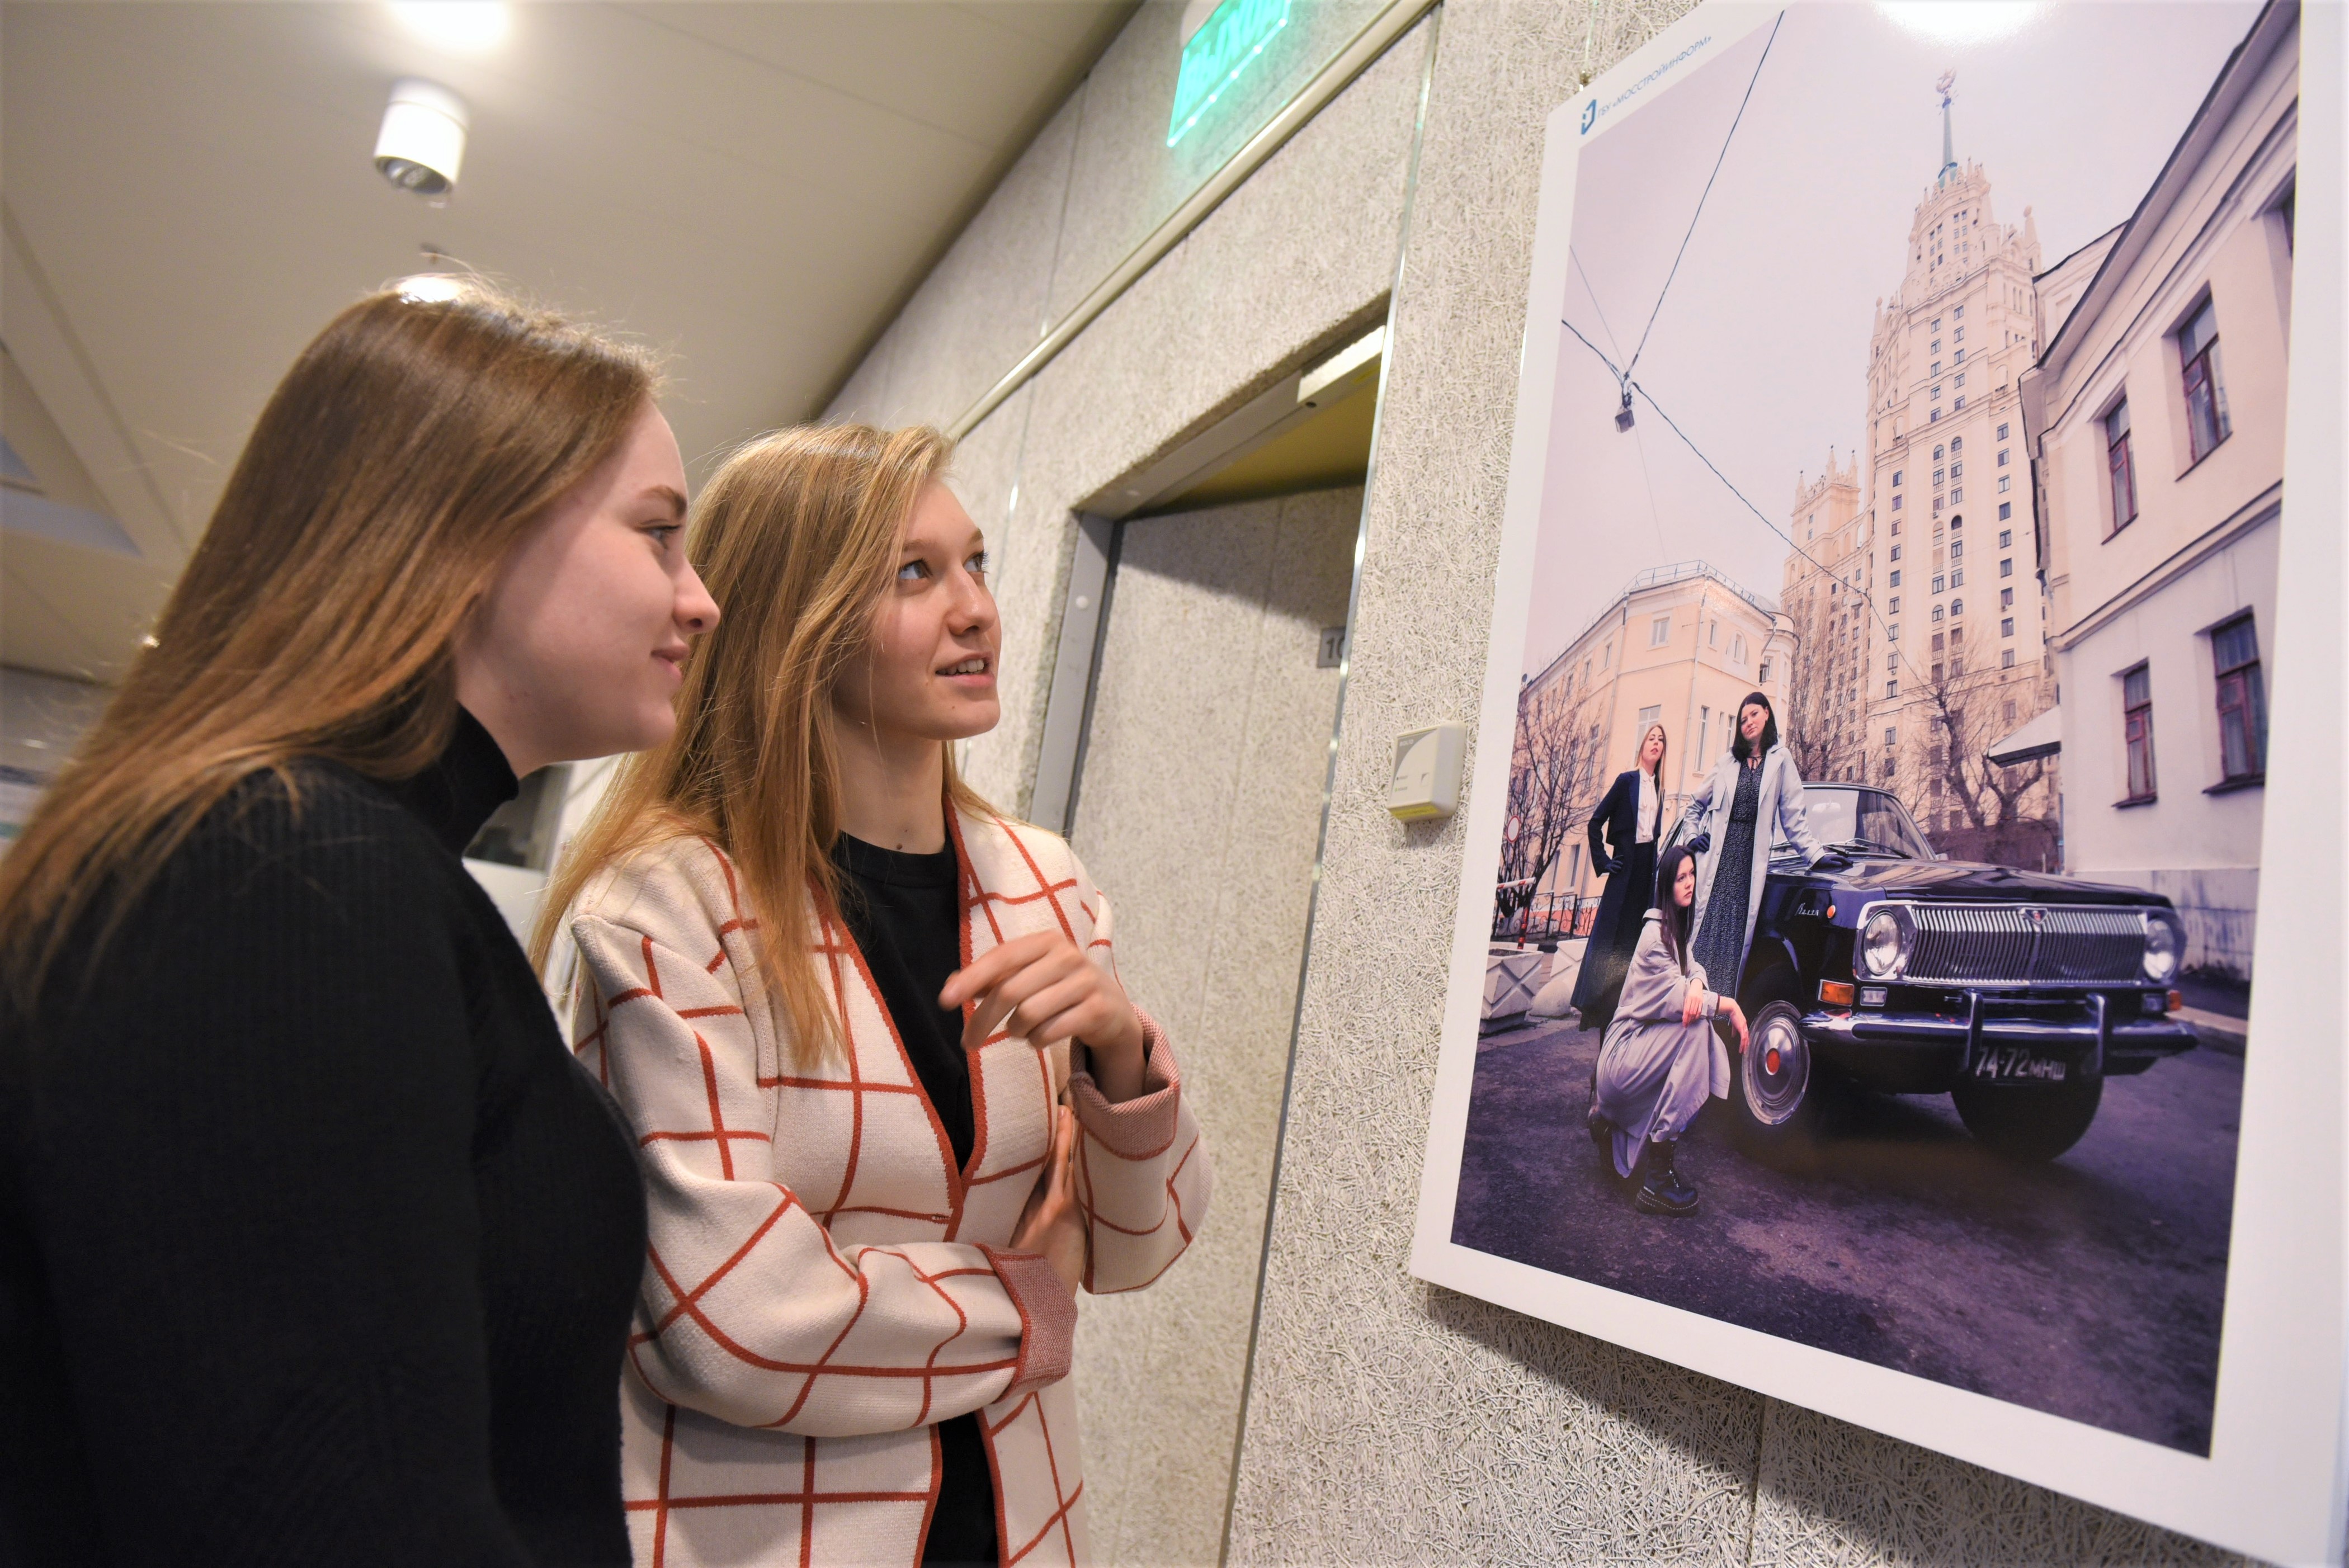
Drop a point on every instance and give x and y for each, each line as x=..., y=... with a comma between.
x=1865, y=595
x=1634, y=363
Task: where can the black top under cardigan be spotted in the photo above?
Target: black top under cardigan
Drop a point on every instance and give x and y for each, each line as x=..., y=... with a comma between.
x=905, y=913
x=316, y=1243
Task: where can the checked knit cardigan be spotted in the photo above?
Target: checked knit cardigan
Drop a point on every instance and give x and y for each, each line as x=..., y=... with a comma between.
x=822, y=1285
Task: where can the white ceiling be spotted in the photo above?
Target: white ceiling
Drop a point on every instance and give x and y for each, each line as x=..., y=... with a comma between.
x=188, y=196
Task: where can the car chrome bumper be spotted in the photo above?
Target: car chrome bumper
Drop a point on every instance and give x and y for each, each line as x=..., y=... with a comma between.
x=1916, y=1052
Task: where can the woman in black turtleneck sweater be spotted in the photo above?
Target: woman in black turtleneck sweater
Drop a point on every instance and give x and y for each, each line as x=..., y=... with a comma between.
x=316, y=1243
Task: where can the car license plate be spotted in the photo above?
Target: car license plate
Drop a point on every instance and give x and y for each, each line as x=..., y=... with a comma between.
x=2018, y=1064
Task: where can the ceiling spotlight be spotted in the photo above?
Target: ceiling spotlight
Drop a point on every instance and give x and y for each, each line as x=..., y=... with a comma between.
x=424, y=139
x=460, y=26
x=431, y=288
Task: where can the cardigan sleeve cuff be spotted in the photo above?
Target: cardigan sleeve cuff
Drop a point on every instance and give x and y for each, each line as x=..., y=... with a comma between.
x=1048, y=1319
x=1143, y=1127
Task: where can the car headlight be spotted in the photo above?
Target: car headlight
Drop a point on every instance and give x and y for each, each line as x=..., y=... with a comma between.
x=2165, y=943
x=1885, y=941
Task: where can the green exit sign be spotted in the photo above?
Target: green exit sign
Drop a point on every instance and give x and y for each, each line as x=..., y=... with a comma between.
x=1217, y=53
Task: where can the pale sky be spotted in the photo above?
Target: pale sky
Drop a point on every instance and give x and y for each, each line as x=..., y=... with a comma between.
x=1760, y=352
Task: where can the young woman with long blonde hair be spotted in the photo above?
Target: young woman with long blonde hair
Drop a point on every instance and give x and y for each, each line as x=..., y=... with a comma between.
x=315, y=1245
x=894, y=1107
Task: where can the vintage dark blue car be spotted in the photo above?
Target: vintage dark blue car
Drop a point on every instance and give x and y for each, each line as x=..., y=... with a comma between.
x=2015, y=992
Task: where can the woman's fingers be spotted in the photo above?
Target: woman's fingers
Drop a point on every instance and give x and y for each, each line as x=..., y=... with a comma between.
x=997, y=1002
x=995, y=963
x=1040, y=1018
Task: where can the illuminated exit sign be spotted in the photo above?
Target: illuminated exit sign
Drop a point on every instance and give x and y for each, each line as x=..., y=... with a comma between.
x=1223, y=46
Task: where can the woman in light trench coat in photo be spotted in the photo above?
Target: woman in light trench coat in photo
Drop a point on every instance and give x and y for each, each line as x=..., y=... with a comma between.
x=1753, y=798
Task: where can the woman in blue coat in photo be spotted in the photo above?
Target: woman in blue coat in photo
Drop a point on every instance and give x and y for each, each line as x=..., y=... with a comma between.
x=1753, y=798
x=1631, y=821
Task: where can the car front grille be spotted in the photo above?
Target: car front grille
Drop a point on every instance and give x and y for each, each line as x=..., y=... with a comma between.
x=2017, y=944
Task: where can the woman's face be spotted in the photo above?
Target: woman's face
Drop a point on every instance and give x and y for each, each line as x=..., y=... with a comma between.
x=1750, y=721
x=1685, y=882
x=929, y=672
x=579, y=646
x=1651, y=750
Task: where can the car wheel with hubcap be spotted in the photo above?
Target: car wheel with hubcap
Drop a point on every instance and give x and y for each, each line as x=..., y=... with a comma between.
x=1774, y=1092
x=2035, y=1123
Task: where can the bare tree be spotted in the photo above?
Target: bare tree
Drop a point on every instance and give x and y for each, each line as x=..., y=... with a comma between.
x=2003, y=813
x=1821, y=731
x=1553, y=772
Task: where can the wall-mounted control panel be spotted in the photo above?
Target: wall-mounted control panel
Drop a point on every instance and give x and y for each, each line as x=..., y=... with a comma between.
x=1426, y=781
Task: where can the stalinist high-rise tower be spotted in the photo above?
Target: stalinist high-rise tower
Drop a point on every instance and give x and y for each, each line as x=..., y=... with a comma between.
x=1943, y=652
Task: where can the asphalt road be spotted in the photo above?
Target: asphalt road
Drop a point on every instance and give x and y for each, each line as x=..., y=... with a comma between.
x=2090, y=1287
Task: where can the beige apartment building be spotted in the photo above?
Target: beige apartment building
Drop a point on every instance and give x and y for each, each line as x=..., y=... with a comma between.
x=1682, y=645
x=2155, y=418
x=1918, y=616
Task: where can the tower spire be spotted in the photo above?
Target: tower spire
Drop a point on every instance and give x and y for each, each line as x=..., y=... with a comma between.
x=1949, y=155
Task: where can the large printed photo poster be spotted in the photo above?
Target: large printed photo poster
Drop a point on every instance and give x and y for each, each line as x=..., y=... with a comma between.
x=1897, y=536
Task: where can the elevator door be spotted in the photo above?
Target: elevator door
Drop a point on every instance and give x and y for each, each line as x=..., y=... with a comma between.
x=1198, y=810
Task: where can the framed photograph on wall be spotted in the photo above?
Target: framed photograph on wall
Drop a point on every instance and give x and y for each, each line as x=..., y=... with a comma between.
x=1897, y=963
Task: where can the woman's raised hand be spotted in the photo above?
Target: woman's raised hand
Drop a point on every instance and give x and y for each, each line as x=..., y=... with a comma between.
x=1042, y=988
x=1051, y=1225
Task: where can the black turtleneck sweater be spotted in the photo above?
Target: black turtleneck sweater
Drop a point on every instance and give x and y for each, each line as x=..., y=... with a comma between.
x=316, y=1243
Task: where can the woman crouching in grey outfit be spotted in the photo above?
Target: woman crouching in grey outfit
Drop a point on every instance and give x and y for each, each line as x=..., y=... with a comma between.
x=1661, y=1058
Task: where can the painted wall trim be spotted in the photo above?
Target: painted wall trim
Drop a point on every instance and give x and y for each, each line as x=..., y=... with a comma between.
x=1365, y=47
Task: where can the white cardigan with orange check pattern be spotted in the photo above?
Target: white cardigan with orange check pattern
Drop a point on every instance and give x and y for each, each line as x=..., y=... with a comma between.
x=822, y=1283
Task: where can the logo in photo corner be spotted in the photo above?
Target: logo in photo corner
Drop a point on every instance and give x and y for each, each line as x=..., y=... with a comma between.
x=1589, y=116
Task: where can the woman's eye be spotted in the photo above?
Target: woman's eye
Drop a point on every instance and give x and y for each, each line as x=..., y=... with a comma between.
x=913, y=572
x=976, y=565
x=663, y=532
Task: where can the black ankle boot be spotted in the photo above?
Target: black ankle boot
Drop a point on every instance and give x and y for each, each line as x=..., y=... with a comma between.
x=1661, y=1191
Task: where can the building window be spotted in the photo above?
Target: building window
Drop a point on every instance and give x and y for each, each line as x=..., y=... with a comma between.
x=1936, y=370
x=1891, y=689
x=2005, y=598
x=1896, y=502
x=2001, y=432
x=2242, y=700
x=1895, y=476
x=2122, y=473
x=1893, y=608
x=1958, y=404
x=1936, y=417
x=2007, y=660
x=1937, y=672
x=2005, y=510
x=2005, y=483
x=1737, y=650
x=2005, y=541
x=1957, y=522
x=1606, y=654
x=1895, y=578
x=2006, y=627
x=1957, y=470
x=1892, y=633
x=1957, y=606
x=1957, y=445
x=1939, y=474
x=1762, y=676
x=1659, y=630
x=2136, y=731
x=2009, y=713
x=2006, y=567
x=1937, y=641
x=1937, y=614
x=1957, y=578
x=1890, y=735
x=1957, y=546
x=1648, y=716
x=1895, y=553
x=2004, y=453
x=1940, y=583
x=1957, y=495
x=1959, y=313
x=1703, y=730
x=2206, y=401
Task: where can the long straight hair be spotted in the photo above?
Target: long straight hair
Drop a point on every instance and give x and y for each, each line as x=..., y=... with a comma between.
x=797, y=536
x=410, y=448
x=1655, y=774
x=1678, y=917
x=1739, y=746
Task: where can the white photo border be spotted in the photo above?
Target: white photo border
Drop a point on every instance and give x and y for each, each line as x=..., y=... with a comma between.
x=2273, y=1485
